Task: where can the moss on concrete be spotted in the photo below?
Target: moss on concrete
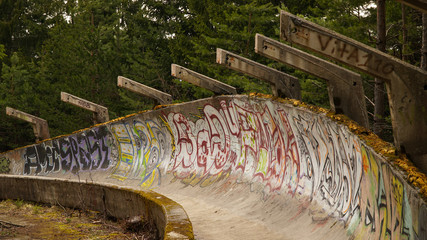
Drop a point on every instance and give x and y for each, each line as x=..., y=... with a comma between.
x=35, y=221
x=177, y=220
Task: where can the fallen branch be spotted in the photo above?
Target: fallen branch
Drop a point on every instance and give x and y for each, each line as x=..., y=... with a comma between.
x=2, y=222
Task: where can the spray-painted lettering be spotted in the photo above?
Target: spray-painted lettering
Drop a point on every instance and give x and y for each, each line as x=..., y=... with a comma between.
x=83, y=151
x=354, y=55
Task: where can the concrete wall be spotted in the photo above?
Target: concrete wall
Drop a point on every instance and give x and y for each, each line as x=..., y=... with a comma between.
x=118, y=202
x=278, y=150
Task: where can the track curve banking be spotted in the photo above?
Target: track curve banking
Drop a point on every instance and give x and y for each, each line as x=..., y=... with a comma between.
x=243, y=168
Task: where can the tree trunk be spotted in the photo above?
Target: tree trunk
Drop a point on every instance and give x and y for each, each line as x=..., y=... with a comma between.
x=404, y=33
x=380, y=94
x=424, y=45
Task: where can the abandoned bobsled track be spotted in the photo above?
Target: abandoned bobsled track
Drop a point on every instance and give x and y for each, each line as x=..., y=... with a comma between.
x=242, y=167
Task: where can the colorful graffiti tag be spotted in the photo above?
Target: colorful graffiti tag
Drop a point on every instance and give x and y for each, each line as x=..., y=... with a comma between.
x=385, y=203
x=333, y=164
x=142, y=147
x=235, y=138
x=84, y=151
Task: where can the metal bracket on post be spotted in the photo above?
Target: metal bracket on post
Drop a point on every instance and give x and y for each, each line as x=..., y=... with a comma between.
x=136, y=87
x=346, y=95
x=283, y=85
x=406, y=84
x=40, y=127
x=201, y=80
x=100, y=113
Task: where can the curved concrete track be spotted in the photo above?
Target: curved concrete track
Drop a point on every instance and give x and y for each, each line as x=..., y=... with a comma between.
x=167, y=216
x=243, y=168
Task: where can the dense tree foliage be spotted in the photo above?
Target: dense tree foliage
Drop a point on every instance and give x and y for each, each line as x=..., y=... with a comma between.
x=81, y=47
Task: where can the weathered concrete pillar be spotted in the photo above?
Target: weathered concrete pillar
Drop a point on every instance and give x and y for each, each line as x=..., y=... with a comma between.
x=136, y=87
x=201, y=80
x=406, y=84
x=100, y=113
x=346, y=95
x=40, y=127
x=282, y=84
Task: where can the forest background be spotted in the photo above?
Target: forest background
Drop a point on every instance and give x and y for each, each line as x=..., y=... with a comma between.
x=80, y=47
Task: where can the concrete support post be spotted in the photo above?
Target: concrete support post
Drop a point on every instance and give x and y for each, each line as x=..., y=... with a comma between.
x=100, y=113
x=282, y=84
x=136, y=87
x=346, y=95
x=201, y=80
x=40, y=127
x=406, y=84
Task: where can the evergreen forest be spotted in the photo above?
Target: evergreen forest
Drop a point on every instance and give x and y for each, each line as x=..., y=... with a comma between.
x=80, y=47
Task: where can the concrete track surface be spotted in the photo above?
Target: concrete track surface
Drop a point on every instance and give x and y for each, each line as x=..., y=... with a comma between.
x=243, y=168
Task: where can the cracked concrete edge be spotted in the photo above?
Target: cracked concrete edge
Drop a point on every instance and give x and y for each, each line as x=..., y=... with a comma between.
x=168, y=216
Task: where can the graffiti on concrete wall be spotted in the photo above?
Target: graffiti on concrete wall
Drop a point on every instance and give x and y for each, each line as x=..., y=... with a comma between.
x=142, y=146
x=386, y=204
x=84, y=151
x=257, y=144
x=202, y=148
x=283, y=149
x=332, y=163
x=295, y=152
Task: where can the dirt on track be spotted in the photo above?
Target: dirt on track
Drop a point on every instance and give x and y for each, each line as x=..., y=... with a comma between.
x=25, y=220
